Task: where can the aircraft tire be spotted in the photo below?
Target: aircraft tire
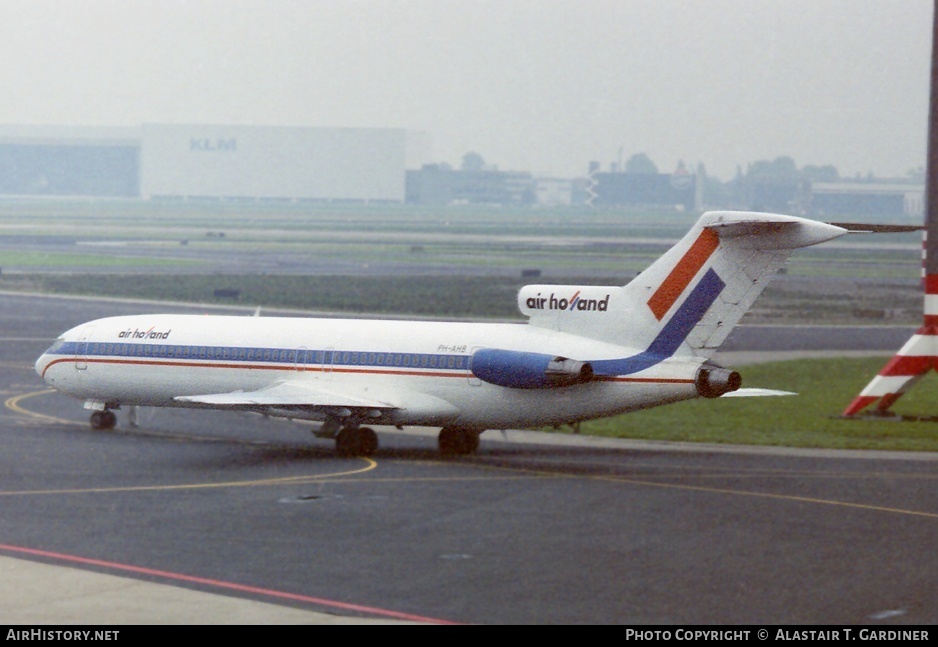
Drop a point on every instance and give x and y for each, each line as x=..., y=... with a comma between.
x=367, y=441
x=103, y=420
x=347, y=442
x=457, y=441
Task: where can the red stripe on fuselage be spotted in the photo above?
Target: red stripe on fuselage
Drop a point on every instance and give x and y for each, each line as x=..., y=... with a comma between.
x=683, y=273
x=262, y=367
x=460, y=373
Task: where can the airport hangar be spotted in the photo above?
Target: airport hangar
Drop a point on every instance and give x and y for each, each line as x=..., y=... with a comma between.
x=210, y=162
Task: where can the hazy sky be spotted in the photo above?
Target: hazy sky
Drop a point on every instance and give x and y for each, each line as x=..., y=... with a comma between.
x=540, y=85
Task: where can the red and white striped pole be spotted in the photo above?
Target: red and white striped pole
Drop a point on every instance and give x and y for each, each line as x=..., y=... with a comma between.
x=920, y=353
x=914, y=360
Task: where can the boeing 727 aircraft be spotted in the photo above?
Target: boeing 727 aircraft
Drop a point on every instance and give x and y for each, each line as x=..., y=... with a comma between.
x=585, y=352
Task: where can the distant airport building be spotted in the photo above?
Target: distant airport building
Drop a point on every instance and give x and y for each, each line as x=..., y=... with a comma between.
x=867, y=198
x=554, y=192
x=615, y=189
x=61, y=161
x=210, y=162
x=440, y=184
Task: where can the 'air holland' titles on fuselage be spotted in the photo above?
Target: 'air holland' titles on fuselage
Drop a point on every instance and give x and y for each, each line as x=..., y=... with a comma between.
x=573, y=303
x=136, y=333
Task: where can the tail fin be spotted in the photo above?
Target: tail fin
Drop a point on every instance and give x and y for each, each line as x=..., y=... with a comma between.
x=688, y=301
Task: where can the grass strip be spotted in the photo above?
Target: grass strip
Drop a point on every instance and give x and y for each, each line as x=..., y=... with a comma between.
x=810, y=419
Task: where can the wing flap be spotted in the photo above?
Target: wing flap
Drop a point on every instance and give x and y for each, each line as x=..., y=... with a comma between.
x=287, y=398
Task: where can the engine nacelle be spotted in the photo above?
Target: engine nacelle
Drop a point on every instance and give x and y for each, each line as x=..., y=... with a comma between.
x=520, y=370
x=712, y=381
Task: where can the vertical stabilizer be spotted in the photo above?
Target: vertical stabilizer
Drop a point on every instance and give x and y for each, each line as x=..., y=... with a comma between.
x=698, y=292
x=688, y=301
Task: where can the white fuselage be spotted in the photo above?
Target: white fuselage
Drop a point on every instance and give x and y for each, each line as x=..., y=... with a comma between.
x=414, y=372
x=586, y=351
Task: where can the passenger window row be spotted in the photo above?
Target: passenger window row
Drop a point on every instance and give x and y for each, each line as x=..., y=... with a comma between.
x=279, y=355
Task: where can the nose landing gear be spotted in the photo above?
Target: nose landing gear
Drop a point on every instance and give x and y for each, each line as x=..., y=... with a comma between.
x=106, y=419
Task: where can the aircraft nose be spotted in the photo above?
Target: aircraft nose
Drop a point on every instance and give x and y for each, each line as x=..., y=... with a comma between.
x=41, y=365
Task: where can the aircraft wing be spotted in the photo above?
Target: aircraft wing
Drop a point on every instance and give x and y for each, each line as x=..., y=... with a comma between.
x=311, y=398
x=287, y=394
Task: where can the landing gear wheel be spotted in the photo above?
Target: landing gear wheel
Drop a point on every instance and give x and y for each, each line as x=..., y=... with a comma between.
x=103, y=419
x=367, y=441
x=346, y=442
x=456, y=441
x=356, y=441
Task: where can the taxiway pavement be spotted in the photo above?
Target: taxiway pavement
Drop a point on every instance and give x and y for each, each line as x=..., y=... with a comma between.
x=219, y=518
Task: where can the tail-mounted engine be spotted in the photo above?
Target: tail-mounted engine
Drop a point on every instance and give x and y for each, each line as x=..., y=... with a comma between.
x=712, y=381
x=519, y=370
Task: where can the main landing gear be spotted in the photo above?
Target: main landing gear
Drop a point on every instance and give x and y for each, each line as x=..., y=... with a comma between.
x=352, y=440
x=458, y=441
x=356, y=441
x=106, y=419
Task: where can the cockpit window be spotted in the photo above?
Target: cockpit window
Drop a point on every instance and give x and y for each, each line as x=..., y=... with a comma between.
x=57, y=345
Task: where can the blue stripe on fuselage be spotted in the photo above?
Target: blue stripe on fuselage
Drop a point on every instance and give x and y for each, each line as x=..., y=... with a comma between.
x=674, y=332
x=672, y=335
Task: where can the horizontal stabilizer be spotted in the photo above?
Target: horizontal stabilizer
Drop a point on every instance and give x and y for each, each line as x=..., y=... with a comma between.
x=865, y=228
x=767, y=231
x=755, y=393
